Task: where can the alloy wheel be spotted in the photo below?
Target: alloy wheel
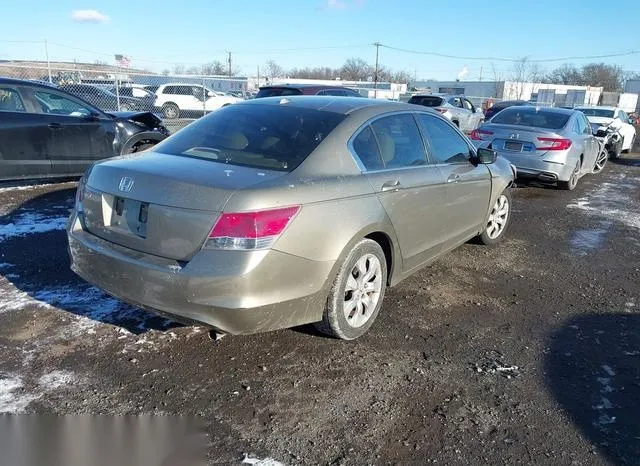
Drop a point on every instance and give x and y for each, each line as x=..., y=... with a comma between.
x=362, y=290
x=601, y=161
x=498, y=217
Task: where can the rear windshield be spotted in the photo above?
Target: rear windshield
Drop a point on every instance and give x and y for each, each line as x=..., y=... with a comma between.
x=526, y=117
x=597, y=112
x=430, y=101
x=270, y=137
x=277, y=92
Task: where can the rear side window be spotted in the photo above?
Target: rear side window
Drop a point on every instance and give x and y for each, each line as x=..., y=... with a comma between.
x=524, y=116
x=447, y=146
x=270, y=137
x=277, y=92
x=429, y=101
x=366, y=148
x=10, y=100
x=399, y=141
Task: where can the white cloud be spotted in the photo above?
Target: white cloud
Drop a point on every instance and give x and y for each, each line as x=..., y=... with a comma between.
x=341, y=4
x=89, y=16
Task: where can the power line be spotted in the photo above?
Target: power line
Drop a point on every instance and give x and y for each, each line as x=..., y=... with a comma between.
x=512, y=60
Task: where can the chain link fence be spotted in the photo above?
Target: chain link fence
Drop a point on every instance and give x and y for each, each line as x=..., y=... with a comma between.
x=177, y=99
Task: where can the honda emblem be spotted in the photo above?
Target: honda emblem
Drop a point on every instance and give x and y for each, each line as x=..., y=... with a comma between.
x=126, y=183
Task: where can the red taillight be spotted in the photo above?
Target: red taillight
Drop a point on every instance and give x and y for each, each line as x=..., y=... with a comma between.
x=250, y=230
x=554, y=144
x=479, y=134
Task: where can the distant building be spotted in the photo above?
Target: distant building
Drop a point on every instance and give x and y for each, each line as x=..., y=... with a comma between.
x=632, y=85
x=548, y=94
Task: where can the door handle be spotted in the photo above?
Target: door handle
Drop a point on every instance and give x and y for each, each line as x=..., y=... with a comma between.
x=55, y=125
x=392, y=185
x=453, y=178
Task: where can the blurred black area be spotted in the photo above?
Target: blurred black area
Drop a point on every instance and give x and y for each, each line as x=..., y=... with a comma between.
x=593, y=371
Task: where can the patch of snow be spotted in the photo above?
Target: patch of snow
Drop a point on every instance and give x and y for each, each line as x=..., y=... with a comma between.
x=11, y=398
x=56, y=379
x=32, y=186
x=612, y=201
x=261, y=462
x=31, y=223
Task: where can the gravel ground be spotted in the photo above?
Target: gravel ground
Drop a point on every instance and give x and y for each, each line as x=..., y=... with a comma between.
x=524, y=353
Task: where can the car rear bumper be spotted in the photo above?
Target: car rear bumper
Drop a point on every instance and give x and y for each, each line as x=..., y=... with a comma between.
x=535, y=166
x=236, y=292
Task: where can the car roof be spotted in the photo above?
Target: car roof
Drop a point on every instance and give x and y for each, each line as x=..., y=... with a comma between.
x=596, y=107
x=304, y=86
x=23, y=82
x=340, y=105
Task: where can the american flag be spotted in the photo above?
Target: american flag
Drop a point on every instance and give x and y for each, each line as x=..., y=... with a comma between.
x=122, y=61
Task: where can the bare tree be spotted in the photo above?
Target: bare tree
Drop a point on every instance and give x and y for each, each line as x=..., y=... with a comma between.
x=566, y=74
x=273, y=70
x=356, y=69
x=178, y=69
x=610, y=77
x=213, y=69
x=525, y=71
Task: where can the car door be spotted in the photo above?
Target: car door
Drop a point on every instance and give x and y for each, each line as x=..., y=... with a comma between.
x=627, y=130
x=468, y=185
x=585, y=141
x=78, y=134
x=393, y=158
x=460, y=115
x=23, y=138
x=475, y=115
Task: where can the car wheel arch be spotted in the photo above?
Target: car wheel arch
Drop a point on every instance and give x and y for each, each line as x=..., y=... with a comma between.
x=138, y=137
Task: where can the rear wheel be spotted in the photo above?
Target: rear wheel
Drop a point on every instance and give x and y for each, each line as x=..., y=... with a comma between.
x=498, y=221
x=170, y=111
x=573, y=180
x=357, y=292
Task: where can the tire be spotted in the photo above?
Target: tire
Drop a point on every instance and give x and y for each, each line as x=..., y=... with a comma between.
x=348, y=322
x=499, y=218
x=572, y=182
x=170, y=111
x=615, y=153
x=601, y=161
x=455, y=122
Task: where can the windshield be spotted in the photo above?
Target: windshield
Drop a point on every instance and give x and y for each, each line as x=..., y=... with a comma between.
x=526, y=117
x=277, y=92
x=273, y=137
x=430, y=101
x=597, y=112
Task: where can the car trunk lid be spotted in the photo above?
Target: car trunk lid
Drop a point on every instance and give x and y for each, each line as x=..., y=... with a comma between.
x=162, y=204
x=517, y=139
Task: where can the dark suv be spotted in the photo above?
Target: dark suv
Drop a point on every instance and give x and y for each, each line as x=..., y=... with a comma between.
x=279, y=90
x=47, y=132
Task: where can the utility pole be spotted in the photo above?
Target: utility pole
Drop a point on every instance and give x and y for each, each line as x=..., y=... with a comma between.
x=258, y=76
x=480, y=73
x=375, y=74
x=229, y=61
x=46, y=53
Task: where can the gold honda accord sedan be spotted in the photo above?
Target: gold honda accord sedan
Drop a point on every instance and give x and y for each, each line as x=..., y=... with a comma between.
x=278, y=212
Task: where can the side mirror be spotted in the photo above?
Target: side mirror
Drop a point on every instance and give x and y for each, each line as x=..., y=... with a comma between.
x=210, y=94
x=486, y=156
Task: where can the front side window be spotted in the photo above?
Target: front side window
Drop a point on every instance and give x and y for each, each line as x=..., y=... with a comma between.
x=446, y=144
x=52, y=102
x=10, y=100
x=399, y=141
x=467, y=105
x=270, y=137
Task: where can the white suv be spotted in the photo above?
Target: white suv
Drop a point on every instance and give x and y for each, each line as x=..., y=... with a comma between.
x=175, y=99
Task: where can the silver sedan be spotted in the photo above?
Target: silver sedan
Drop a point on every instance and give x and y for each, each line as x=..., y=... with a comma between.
x=553, y=145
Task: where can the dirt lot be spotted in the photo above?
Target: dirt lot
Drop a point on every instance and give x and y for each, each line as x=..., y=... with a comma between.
x=525, y=353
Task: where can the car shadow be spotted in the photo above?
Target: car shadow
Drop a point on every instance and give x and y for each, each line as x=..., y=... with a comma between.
x=627, y=160
x=593, y=371
x=34, y=259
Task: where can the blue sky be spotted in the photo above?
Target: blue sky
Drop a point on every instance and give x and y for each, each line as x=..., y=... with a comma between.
x=325, y=32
